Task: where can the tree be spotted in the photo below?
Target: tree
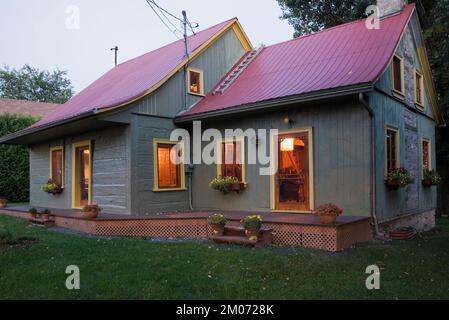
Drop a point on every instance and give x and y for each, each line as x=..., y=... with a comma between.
x=309, y=16
x=32, y=84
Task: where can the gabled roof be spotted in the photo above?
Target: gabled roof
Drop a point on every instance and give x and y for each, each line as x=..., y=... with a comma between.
x=140, y=76
x=340, y=57
x=25, y=107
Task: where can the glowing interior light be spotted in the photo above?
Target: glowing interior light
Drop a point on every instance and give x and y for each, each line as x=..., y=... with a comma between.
x=288, y=144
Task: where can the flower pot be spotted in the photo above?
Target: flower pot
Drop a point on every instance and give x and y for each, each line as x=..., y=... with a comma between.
x=45, y=216
x=328, y=219
x=33, y=215
x=427, y=183
x=237, y=187
x=393, y=185
x=252, y=234
x=217, y=229
x=3, y=203
x=91, y=214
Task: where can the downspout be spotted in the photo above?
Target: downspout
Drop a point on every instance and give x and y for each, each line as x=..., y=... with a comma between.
x=373, y=161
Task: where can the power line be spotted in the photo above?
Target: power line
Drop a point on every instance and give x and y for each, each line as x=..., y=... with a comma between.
x=162, y=20
x=166, y=11
x=163, y=12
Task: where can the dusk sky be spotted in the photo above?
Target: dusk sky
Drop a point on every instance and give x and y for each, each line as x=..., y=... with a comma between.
x=45, y=33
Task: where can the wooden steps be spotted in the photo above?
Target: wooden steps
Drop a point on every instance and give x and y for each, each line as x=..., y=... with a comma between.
x=236, y=235
x=42, y=223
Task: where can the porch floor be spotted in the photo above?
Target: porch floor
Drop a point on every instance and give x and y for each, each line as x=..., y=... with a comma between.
x=289, y=229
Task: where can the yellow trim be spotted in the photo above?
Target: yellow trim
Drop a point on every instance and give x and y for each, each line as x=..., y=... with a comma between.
x=62, y=164
x=155, y=168
x=430, y=85
x=400, y=94
x=419, y=104
x=422, y=155
x=273, y=149
x=201, y=81
x=241, y=35
x=398, y=148
x=240, y=139
x=75, y=168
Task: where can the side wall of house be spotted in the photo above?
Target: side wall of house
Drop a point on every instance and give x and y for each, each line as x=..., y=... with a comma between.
x=341, y=153
x=413, y=125
x=110, y=168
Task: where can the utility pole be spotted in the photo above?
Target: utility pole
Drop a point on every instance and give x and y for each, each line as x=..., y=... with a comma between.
x=186, y=56
x=115, y=49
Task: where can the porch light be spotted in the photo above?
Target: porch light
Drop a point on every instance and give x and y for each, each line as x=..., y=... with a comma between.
x=287, y=144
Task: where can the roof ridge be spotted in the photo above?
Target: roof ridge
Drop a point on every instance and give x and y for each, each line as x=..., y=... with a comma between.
x=338, y=26
x=179, y=40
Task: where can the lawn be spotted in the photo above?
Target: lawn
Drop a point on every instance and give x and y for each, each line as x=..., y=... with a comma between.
x=144, y=269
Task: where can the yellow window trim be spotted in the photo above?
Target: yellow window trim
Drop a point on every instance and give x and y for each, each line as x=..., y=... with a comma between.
x=57, y=148
x=201, y=94
x=155, y=168
x=398, y=147
x=422, y=155
x=219, y=155
x=419, y=104
x=273, y=149
x=397, y=93
x=75, y=168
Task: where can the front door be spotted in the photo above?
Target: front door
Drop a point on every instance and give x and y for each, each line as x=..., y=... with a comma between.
x=81, y=175
x=292, y=178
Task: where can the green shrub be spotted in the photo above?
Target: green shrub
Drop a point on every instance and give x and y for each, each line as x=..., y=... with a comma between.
x=6, y=237
x=14, y=160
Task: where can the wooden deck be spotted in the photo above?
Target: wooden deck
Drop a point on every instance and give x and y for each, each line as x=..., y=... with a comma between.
x=288, y=229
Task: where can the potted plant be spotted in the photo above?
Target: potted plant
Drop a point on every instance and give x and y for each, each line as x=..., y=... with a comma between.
x=252, y=225
x=217, y=222
x=45, y=214
x=3, y=202
x=33, y=212
x=226, y=184
x=398, y=178
x=52, y=187
x=328, y=213
x=431, y=178
x=91, y=211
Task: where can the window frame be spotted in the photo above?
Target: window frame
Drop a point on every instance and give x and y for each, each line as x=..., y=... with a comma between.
x=398, y=148
x=418, y=103
x=156, y=187
x=401, y=93
x=201, y=73
x=238, y=139
x=52, y=149
x=429, y=142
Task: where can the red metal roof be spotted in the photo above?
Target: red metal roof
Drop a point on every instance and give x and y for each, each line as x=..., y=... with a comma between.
x=342, y=56
x=25, y=107
x=131, y=79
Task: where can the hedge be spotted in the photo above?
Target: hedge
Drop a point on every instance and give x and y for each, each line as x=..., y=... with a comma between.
x=14, y=160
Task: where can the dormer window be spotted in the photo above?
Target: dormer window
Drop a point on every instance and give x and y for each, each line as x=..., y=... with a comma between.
x=419, y=90
x=398, y=75
x=195, y=82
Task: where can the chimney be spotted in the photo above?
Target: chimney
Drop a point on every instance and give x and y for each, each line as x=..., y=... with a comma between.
x=390, y=7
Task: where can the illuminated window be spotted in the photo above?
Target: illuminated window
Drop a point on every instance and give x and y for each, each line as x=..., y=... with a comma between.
x=195, y=82
x=426, y=159
x=391, y=149
x=419, y=89
x=169, y=168
x=231, y=162
x=57, y=165
x=398, y=75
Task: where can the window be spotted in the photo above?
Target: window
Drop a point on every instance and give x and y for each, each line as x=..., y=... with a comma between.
x=195, y=82
x=391, y=149
x=231, y=161
x=57, y=165
x=398, y=75
x=419, y=89
x=168, y=165
x=426, y=156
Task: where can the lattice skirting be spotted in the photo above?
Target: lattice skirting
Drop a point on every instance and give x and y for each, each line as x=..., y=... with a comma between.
x=329, y=238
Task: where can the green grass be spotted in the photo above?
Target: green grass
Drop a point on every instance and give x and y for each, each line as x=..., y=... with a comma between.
x=143, y=269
